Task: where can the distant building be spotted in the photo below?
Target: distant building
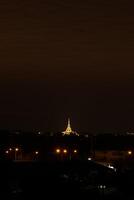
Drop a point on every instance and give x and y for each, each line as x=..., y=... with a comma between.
x=69, y=131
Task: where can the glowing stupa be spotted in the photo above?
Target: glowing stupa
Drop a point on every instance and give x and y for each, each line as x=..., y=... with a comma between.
x=68, y=130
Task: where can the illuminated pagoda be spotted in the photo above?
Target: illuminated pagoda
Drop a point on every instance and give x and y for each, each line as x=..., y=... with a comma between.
x=69, y=131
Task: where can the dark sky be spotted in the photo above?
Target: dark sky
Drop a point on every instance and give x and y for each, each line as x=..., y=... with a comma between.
x=61, y=58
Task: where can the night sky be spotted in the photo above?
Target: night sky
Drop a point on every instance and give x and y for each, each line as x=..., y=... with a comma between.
x=67, y=58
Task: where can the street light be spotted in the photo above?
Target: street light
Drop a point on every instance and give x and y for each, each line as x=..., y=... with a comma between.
x=75, y=151
x=16, y=150
x=58, y=151
x=36, y=152
x=129, y=152
x=65, y=151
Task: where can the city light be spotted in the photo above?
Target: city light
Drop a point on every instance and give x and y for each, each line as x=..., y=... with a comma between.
x=16, y=149
x=64, y=151
x=36, y=152
x=89, y=158
x=57, y=150
x=75, y=151
x=102, y=186
x=112, y=167
x=129, y=152
x=7, y=152
x=10, y=149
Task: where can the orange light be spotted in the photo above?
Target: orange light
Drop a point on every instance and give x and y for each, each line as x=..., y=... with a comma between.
x=75, y=151
x=36, y=152
x=16, y=149
x=64, y=151
x=57, y=150
x=129, y=152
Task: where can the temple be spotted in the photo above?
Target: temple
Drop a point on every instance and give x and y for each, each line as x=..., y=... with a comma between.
x=69, y=131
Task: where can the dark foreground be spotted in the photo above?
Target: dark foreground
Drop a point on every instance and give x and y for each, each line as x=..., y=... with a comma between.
x=64, y=180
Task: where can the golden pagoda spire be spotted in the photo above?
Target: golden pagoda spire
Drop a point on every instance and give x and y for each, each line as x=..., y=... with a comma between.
x=68, y=130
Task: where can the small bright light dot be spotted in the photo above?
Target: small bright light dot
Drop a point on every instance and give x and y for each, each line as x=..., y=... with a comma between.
x=36, y=152
x=7, y=152
x=129, y=152
x=89, y=158
x=110, y=166
x=57, y=150
x=16, y=149
x=10, y=149
x=102, y=186
x=64, y=151
x=75, y=151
